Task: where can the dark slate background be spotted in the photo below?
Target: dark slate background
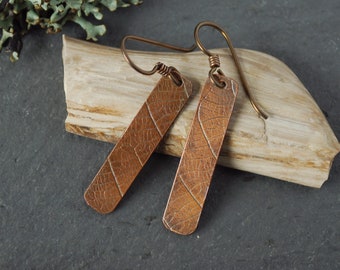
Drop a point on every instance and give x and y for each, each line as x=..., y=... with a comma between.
x=249, y=221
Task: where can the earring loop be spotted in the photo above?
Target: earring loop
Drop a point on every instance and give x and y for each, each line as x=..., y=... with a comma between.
x=159, y=67
x=214, y=65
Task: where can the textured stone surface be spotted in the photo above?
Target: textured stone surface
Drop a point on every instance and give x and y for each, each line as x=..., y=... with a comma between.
x=249, y=221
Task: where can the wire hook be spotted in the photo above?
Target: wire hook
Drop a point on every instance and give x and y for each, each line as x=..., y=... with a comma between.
x=214, y=64
x=159, y=67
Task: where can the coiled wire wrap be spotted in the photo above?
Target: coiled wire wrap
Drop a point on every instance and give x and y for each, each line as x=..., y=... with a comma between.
x=170, y=71
x=214, y=61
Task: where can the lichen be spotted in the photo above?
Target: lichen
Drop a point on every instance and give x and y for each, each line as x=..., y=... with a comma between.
x=17, y=17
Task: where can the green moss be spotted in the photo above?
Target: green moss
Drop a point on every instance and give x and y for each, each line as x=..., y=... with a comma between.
x=18, y=16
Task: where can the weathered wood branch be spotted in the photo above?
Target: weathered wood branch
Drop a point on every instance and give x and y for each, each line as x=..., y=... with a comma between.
x=294, y=144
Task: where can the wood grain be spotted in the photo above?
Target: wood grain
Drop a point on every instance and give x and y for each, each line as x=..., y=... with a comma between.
x=199, y=157
x=137, y=144
x=294, y=144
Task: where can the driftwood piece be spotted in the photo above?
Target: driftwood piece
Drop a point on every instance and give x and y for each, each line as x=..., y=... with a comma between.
x=294, y=144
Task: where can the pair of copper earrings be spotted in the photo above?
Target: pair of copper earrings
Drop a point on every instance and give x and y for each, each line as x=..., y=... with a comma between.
x=151, y=123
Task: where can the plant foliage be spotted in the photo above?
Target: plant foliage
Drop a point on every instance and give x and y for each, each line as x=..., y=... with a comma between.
x=18, y=16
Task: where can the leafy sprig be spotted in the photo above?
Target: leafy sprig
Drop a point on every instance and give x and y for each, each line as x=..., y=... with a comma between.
x=18, y=16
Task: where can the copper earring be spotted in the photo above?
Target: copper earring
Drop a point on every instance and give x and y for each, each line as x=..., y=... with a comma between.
x=204, y=142
x=143, y=134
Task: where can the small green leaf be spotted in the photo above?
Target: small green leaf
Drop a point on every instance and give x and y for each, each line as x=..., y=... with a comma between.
x=121, y=3
x=91, y=9
x=59, y=13
x=111, y=5
x=32, y=17
x=35, y=2
x=92, y=31
x=74, y=4
x=4, y=37
x=14, y=57
x=136, y=2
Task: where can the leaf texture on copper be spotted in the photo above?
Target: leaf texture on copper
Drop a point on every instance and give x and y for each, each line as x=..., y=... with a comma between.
x=199, y=158
x=137, y=144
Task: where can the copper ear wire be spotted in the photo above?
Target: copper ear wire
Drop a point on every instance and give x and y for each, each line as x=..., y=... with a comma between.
x=215, y=64
x=159, y=67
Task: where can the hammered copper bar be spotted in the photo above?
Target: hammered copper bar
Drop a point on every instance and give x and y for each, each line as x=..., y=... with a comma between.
x=137, y=144
x=200, y=155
